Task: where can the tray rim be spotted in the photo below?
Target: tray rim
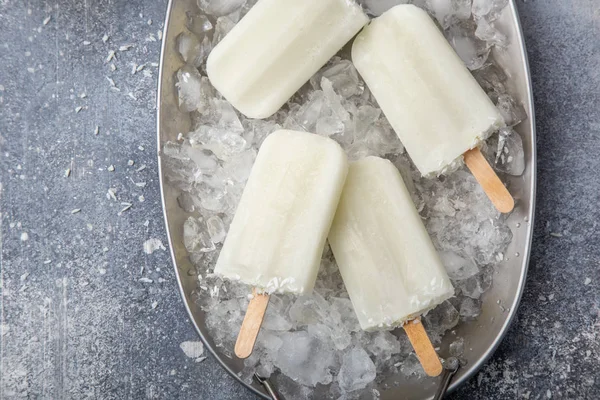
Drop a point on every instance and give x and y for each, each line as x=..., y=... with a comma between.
x=473, y=368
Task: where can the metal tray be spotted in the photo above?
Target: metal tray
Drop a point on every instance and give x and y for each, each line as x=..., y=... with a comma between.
x=483, y=335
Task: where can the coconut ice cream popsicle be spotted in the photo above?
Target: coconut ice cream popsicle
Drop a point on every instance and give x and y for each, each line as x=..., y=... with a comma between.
x=277, y=47
x=436, y=107
x=278, y=233
x=389, y=265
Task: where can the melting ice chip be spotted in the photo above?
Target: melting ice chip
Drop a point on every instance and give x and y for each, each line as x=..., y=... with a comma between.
x=458, y=267
x=305, y=358
x=357, y=370
x=219, y=8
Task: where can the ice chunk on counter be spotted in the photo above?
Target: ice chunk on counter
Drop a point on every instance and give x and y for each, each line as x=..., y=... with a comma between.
x=277, y=47
x=430, y=98
x=279, y=230
x=390, y=268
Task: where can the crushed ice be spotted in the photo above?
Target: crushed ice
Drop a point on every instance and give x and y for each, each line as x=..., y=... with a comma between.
x=316, y=340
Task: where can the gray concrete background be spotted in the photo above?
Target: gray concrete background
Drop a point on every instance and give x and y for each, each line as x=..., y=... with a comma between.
x=76, y=320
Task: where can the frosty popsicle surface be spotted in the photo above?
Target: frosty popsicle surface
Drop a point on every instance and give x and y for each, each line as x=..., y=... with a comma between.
x=278, y=233
x=388, y=263
x=432, y=101
x=277, y=47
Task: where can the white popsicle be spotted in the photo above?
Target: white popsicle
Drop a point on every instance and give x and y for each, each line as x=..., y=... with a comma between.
x=388, y=263
x=432, y=101
x=277, y=47
x=277, y=236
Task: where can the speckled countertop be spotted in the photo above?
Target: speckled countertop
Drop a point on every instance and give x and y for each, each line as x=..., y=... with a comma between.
x=88, y=312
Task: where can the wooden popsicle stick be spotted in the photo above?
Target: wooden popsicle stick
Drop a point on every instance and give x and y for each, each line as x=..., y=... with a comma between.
x=425, y=352
x=489, y=181
x=251, y=325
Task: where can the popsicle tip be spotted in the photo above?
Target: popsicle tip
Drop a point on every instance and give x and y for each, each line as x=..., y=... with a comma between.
x=434, y=370
x=242, y=351
x=505, y=204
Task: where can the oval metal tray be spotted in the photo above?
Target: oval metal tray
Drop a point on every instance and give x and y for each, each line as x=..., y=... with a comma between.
x=483, y=335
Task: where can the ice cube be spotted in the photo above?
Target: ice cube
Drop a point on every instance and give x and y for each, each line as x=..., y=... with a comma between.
x=224, y=143
x=199, y=24
x=343, y=77
x=344, y=138
x=289, y=389
x=412, y=367
x=220, y=319
x=487, y=32
x=177, y=175
x=265, y=369
x=329, y=126
x=381, y=139
x=196, y=237
x=329, y=280
x=194, y=90
x=269, y=343
x=441, y=319
x=256, y=130
x=308, y=114
x=192, y=50
x=333, y=332
x=308, y=310
x=239, y=165
x=276, y=318
x=489, y=9
x=444, y=207
x=175, y=151
x=249, y=4
x=218, y=8
x=383, y=344
x=222, y=28
x=491, y=78
x=475, y=286
x=216, y=229
x=458, y=267
x=340, y=337
x=359, y=150
x=334, y=100
x=491, y=238
x=186, y=202
x=305, y=359
x=473, y=51
x=211, y=197
x=183, y=167
x=291, y=123
x=275, y=322
x=461, y=9
x=457, y=348
x=510, y=155
x=448, y=12
x=227, y=116
x=512, y=112
x=364, y=118
x=357, y=370
x=205, y=161
x=470, y=308
x=343, y=312
x=442, y=10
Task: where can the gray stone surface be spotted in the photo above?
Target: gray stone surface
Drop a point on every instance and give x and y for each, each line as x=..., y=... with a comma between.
x=76, y=320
